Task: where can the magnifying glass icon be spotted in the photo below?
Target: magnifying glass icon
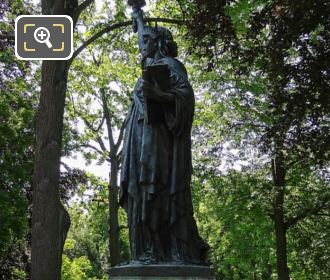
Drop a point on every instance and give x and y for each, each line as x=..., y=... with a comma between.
x=41, y=35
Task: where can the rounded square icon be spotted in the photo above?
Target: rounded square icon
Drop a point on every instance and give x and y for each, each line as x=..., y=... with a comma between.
x=44, y=37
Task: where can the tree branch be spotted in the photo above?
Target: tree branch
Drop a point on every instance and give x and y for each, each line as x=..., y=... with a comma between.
x=90, y=126
x=182, y=9
x=314, y=211
x=100, y=125
x=107, y=116
x=104, y=30
x=97, y=62
x=79, y=10
x=65, y=166
x=101, y=143
x=166, y=20
x=98, y=138
x=121, y=135
x=92, y=147
x=119, y=154
x=114, y=27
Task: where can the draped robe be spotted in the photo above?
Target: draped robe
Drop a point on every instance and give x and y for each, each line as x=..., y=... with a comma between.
x=156, y=175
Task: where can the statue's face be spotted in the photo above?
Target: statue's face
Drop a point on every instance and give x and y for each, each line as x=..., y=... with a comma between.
x=150, y=46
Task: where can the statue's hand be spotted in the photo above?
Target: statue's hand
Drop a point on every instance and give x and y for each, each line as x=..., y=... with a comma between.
x=155, y=92
x=148, y=88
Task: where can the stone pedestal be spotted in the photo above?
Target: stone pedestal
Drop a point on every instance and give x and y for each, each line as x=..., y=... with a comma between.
x=161, y=272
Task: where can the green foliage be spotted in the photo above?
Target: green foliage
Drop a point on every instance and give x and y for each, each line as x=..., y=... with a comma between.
x=16, y=158
x=76, y=268
x=259, y=91
x=17, y=102
x=86, y=249
x=232, y=216
x=86, y=246
x=260, y=72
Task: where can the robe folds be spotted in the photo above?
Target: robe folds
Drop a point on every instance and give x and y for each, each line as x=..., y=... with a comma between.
x=156, y=174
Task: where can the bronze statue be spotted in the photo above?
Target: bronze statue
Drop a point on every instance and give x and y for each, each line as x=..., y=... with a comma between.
x=156, y=159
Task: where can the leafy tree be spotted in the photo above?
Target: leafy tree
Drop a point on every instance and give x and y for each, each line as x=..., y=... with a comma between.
x=98, y=101
x=278, y=58
x=76, y=269
x=17, y=103
x=88, y=235
x=231, y=211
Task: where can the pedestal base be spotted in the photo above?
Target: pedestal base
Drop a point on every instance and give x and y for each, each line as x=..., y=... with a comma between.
x=161, y=272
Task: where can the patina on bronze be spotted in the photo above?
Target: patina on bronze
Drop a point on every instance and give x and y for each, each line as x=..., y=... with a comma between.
x=156, y=157
x=136, y=3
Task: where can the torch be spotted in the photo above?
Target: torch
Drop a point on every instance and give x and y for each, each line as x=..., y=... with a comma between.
x=136, y=5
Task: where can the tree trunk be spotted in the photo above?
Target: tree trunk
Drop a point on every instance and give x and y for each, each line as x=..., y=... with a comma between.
x=114, y=249
x=278, y=171
x=50, y=221
x=267, y=272
x=113, y=215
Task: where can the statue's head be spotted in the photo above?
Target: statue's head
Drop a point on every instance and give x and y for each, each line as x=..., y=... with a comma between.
x=159, y=39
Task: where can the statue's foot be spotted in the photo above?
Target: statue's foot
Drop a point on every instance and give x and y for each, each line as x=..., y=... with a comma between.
x=147, y=260
x=188, y=262
x=124, y=263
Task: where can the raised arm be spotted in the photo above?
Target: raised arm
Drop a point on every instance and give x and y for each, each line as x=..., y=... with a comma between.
x=139, y=25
